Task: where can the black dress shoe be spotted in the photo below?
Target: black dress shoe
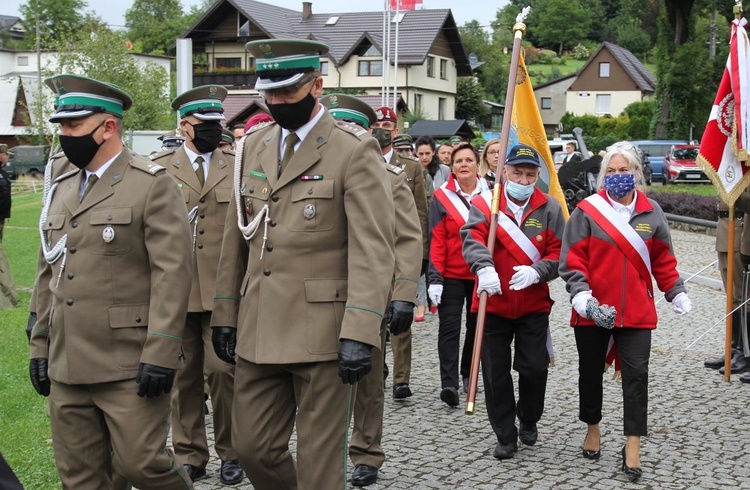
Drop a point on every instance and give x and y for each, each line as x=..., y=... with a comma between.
x=401, y=391
x=466, y=384
x=505, y=451
x=633, y=474
x=527, y=433
x=193, y=472
x=231, y=472
x=716, y=363
x=745, y=378
x=364, y=475
x=449, y=395
x=739, y=365
x=589, y=453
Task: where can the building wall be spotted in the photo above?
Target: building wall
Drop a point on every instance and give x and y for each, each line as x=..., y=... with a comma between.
x=557, y=93
x=584, y=102
x=590, y=80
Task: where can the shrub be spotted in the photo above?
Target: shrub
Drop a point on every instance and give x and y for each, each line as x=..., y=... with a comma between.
x=686, y=204
x=581, y=52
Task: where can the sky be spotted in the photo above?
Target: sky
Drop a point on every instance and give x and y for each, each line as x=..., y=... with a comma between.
x=113, y=11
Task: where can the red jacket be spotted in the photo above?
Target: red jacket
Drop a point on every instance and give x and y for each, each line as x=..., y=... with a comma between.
x=591, y=260
x=543, y=223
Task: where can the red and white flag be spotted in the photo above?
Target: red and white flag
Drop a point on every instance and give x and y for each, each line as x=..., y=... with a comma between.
x=405, y=4
x=724, y=147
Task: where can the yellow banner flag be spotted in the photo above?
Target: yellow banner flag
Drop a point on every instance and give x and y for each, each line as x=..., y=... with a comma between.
x=526, y=127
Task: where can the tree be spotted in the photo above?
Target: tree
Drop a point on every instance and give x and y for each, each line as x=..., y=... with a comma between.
x=58, y=19
x=561, y=23
x=153, y=25
x=469, y=99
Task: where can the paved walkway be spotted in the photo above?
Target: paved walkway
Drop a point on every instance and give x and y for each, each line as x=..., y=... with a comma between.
x=698, y=435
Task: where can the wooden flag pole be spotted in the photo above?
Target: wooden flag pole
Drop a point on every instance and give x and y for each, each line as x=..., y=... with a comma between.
x=518, y=29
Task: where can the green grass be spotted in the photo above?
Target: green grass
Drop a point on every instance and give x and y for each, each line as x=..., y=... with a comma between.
x=25, y=438
x=699, y=189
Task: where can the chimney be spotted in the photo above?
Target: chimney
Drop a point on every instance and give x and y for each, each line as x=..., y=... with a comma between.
x=306, y=10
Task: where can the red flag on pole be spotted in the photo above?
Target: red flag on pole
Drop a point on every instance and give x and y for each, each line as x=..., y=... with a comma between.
x=724, y=145
x=404, y=4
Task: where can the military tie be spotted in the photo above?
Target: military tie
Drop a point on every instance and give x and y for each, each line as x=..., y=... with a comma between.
x=291, y=140
x=92, y=180
x=199, y=171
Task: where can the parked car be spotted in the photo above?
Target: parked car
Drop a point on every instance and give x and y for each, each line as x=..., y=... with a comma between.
x=656, y=151
x=27, y=160
x=681, y=166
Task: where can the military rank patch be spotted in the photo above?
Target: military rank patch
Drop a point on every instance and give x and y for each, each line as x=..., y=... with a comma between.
x=533, y=223
x=644, y=227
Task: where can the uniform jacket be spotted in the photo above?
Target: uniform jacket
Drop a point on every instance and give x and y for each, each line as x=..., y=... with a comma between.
x=446, y=258
x=122, y=302
x=325, y=270
x=207, y=228
x=408, y=238
x=543, y=223
x=418, y=187
x=590, y=259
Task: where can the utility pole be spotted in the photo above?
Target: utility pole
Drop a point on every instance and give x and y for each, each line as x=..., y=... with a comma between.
x=40, y=105
x=712, y=42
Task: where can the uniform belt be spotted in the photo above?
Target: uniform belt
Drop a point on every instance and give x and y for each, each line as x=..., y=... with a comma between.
x=725, y=214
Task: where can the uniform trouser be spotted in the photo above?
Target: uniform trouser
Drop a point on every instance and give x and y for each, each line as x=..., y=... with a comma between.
x=736, y=291
x=530, y=361
x=105, y=427
x=267, y=398
x=456, y=294
x=634, y=347
x=188, y=418
x=364, y=446
x=8, y=479
x=401, y=346
x=2, y=228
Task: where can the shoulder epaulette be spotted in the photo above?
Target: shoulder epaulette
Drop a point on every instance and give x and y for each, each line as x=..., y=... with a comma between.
x=69, y=173
x=357, y=131
x=146, y=165
x=392, y=168
x=228, y=152
x=57, y=155
x=410, y=157
x=162, y=153
x=260, y=126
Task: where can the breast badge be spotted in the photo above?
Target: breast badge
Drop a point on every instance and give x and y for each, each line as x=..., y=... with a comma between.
x=309, y=212
x=108, y=234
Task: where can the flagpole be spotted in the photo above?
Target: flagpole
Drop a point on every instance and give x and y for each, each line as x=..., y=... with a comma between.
x=518, y=30
x=383, y=54
x=387, y=67
x=395, y=58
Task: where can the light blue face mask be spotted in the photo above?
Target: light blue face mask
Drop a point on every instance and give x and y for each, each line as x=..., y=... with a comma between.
x=519, y=191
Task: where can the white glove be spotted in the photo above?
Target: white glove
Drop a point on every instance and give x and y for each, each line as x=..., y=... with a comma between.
x=524, y=277
x=488, y=281
x=682, y=304
x=579, y=302
x=435, y=292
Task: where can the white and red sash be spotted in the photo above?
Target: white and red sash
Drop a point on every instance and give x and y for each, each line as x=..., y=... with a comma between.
x=624, y=236
x=455, y=206
x=512, y=238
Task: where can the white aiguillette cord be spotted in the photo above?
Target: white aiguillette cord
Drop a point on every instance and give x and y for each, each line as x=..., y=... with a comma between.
x=249, y=230
x=53, y=254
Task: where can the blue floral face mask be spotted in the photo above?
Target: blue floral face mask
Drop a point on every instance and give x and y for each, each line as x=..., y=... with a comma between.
x=619, y=185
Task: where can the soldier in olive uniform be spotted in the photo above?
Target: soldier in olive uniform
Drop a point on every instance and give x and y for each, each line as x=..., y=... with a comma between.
x=171, y=140
x=384, y=130
x=4, y=189
x=365, y=450
x=111, y=312
x=204, y=174
x=313, y=237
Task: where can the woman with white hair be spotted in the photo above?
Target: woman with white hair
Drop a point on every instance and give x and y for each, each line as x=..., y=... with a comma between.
x=614, y=242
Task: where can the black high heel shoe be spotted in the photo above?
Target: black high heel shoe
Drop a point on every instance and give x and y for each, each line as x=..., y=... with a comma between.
x=633, y=474
x=589, y=454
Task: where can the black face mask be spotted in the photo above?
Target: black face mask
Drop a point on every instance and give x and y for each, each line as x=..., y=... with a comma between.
x=383, y=136
x=80, y=150
x=293, y=116
x=206, y=136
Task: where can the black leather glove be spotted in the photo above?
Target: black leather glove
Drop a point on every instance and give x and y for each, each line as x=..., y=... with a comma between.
x=30, y=324
x=355, y=361
x=224, y=340
x=400, y=316
x=425, y=264
x=154, y=380
x=38, y=374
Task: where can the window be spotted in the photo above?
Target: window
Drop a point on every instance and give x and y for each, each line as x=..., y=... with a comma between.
x=250, y=63
x=441, y=108
x=324, y=68
x=23, y=61
x=417, y=102
x=604, y=104
x=431, y=67
x=372, y=68
x=444, y=69
x=603, y=70
x=332, y=20
x=546, y=102
x=228, y=62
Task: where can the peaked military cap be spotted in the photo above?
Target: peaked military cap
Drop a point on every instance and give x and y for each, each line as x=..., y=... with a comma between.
x=284, y=62
x=227, y=136
x=348, y=108
x=402, y=141
x=4, y=149
x=78, y=96
x=204, y=102
x=456, y=139
x=172, y=139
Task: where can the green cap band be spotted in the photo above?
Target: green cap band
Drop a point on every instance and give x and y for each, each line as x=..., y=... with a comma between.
x=194, y=105
x=342, y=113
x=302, y=62
x=73, y=99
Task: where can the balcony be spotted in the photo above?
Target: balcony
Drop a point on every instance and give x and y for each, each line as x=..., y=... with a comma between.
x=230, y=78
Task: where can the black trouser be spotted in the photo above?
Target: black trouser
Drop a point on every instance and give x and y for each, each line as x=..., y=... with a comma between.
x=530, y=361
x=456, y=293
x=634, y=347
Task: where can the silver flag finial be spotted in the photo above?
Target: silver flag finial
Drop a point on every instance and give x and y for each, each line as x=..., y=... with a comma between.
x=524, y=13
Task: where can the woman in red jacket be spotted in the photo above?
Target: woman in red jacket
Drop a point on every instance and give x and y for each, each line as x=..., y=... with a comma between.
x=451, y=282
x=614, y=242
